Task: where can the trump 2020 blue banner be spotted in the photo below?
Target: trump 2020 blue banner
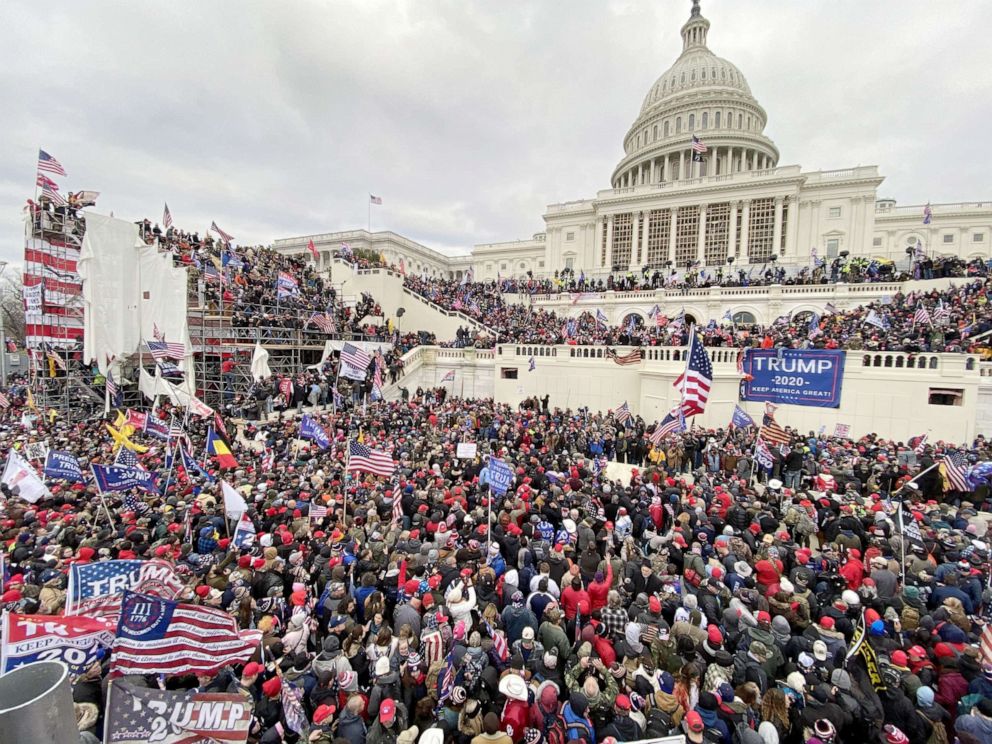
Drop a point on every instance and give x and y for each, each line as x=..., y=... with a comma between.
x=61, y=465
x=798, y=377
x=121, y=478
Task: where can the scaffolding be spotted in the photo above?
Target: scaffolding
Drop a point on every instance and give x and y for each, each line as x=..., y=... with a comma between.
x=60, y=378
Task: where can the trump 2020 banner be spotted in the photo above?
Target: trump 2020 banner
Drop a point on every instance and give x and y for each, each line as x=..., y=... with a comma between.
x=138, y=715
x=75, y=641
x=107, y=578
x=798, y=377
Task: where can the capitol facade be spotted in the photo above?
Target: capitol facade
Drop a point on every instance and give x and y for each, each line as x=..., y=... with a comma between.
x=700, y=184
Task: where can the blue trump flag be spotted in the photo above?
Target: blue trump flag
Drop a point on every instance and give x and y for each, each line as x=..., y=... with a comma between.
x=120, y=478
x=310, y=429
x=192, y=467
x=500, y=476
x=156, y=428
x=741, y=420
x=60, y=465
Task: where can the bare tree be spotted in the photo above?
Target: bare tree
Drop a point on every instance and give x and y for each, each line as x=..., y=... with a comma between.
x=11, y=304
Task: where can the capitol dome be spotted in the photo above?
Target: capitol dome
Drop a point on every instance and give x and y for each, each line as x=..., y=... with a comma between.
x=703, y=96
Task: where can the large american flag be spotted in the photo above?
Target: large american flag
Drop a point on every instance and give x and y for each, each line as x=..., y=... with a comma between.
x=166, y=218
x=163, y=350
x=323, y=321
x=355, y=357
x=375, y=199
x=623, y=414
x=500, y=646
x=51, y=189
x=770, y=431
x=985, y=644
x=47, y=163
x=921, y=315
x=366, y=459
x=956, y=470
x=698, y=145
x=633, y=357
x=158, y=636
x=227, y=238
x=673, y=423
x=696, y=381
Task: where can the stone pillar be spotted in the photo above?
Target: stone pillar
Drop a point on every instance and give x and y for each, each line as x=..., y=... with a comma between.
x=777, y=228
x=701, y=235
x=597, y=242
x=732, y=232
x=635, y=240
x=791, y=226
x=671, y=234
x=682, y=165
x=745, y=222
x=609, y=243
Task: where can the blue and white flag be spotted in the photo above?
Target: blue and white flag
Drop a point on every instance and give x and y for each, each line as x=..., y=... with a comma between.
x=500, y=476
x=310, y=429
x=601, y=318
x=109, y=578
x=192, y=467
x=119, y=478
x=728, y=317
x=740, y=419
x=60, y=465
x=875, y=319
x=244, y=534
x=531, y=364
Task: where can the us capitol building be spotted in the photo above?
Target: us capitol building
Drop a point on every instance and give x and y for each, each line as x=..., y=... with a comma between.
x=665, y=208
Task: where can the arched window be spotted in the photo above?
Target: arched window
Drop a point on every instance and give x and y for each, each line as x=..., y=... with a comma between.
x=704, y=73
x=678, y=124
x=706, y=120
x=740, y=121
x=683, y=78
x=693, y=76
x=743, y=317
x=716, y=120
x=692, y=122
x=654, y=133
x=666, y=129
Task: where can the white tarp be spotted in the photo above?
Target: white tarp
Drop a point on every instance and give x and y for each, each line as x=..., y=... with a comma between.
x=260, y=363
x=370, y=346
x=129, y=289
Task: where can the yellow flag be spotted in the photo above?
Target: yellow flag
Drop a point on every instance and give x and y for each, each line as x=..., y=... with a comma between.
x=121, y=440
x=31, y=403
x=121, y=418
x=51, y=367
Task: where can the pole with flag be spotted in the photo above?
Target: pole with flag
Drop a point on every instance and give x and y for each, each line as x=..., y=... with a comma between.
x=377, y=200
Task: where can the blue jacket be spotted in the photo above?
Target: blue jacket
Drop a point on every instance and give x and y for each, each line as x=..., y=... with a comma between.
x=576, y=726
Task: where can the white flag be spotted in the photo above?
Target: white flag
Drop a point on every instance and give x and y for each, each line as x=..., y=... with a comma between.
x=260, y=363
x=21, y=479
x=234, y=502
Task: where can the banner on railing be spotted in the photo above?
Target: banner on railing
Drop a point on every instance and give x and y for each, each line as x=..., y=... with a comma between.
x=799, y=377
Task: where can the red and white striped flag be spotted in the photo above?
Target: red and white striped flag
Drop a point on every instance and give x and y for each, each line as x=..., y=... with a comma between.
x=166, y=218
x=48, y=163
x=317, y=511
x=159, y=636
x=397, y=507
x=375, y=199
x=227, y=238
x=499, y=642
x=985, y=644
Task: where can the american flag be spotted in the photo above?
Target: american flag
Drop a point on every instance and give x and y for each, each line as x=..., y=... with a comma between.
x=397, y=507
x=323, y=321
x=227, y=238
x=51, y=189
x=4, y=401
x=696, y=381
x=365, y=459
x=770, y=431
x=447, y=681
x=921, y=315
x=163, y=350
x=633, y=357
x=941, y=312
x=985, y=644
x=956, y=471
x=49, y=164
x=313, y=250
x=623, y=414
x=673, y=423
x=499, y=642
x=449, y=376
x=159, y=636
x=211, y=274
x=698, y=145
x=375, y=199
x=377, y=378
x=113, y=390
x=830, y=309
x=355, y=357
x=292, y=708
x=269, y=460
x=317, y=511
x=166, y=217
x=156, y=333
x=919, y=443
x=927, y=214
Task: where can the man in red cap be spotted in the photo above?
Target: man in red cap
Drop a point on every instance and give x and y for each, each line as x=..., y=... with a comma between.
x=388, y=724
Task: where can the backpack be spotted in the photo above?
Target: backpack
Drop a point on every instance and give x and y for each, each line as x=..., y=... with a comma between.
x=909, y=618
x=657, y=724
x=938, y=735
x=555, y=732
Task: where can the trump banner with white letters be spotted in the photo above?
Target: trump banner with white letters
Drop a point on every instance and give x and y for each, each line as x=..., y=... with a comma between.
x=798, y=377
x=77, y=642
x=138, y=715
x=89, y=581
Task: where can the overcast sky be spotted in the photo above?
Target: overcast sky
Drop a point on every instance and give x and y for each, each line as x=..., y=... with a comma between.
x=467, y=118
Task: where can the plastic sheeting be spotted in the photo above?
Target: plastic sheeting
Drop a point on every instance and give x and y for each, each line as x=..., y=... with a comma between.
x=129, y=289
x=330, y=346
x=260, y=363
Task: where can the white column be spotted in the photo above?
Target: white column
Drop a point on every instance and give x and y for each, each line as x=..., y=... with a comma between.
x=701, y=234
x=745, y=223
x=609, y=243
x=777, y=229
x=682, y=165
x=635, y=240
x=671, y=234
x=791, y=227
x=597, y=242
x=732, y=233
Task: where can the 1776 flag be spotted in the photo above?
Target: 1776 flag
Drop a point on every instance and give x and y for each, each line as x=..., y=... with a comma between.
x=696, y=381
x=366, y=459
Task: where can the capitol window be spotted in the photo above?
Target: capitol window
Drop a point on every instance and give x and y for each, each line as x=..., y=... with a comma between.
x=833, y=245
x=876, y=242
x=948, y=238
x=570, y=236
x=678, y=124
x=706, y=120
x=834, y=212
x=978, y=238
x=692, y=122
x=716, y=121
x=666, y=129
x=654, y=133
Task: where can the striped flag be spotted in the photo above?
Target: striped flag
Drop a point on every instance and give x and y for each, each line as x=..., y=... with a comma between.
x=113, y=390
x=159, y=636
x=941, y=312
x=921, y=315
x=4, y=401
x=955, y=467
x=985, y=644
x=623, y=414
x=377, y=378
x=449, y=376
x=51, y=189
x=313, y=250
x=673, y=423
x=601, y=318
x=499, y=642
x=49, y=164
x=227, y=238
x=323, y=321
x=317, y=511
x=375, y=199
x=368, y=460
x=166, y=217
x=771, y=432
x=927, y=214
x=697, y=379
x=397, y=507
x=633, y=357
x=698, y=145
x=355, y=357
x=163, y=350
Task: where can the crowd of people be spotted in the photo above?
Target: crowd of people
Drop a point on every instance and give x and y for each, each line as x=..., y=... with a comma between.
x=590, y=602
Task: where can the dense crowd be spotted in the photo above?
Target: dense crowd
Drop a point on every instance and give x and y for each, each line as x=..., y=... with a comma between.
x=583, y=605
x=952, y=317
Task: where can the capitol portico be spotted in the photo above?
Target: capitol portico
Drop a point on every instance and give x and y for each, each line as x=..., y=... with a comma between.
x=700, y=184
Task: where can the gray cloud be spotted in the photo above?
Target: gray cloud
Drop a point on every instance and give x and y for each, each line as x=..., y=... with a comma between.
x=277, y=119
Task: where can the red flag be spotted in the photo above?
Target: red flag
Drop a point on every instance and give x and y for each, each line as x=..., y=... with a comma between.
x=985, y=644
x=313, y=250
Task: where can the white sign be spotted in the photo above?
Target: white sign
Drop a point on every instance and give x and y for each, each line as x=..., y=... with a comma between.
x=33, y=299
x=842, y=430
x=467, y=450
x=37, y=450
